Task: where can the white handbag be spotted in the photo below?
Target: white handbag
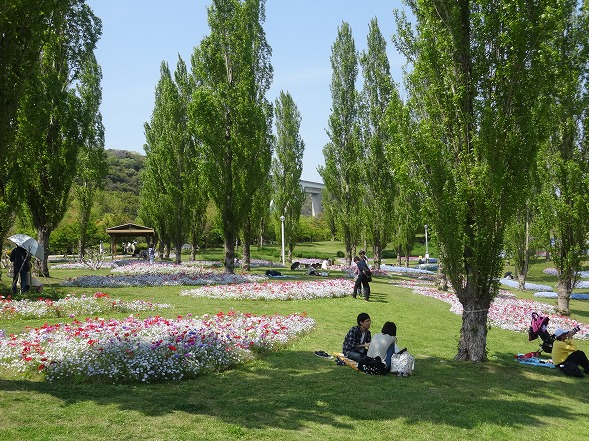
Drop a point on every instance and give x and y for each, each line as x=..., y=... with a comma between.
x=402, y=364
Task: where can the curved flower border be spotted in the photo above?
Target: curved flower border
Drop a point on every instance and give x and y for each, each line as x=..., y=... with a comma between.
x=506, y=311
x=304, y=290
x=171, y=279
x=153, y=349
x=73, y=306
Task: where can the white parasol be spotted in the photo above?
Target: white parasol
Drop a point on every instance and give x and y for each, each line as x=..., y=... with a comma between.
x=29, y=244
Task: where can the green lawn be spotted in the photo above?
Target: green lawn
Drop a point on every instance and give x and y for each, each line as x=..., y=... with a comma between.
x=294, y=395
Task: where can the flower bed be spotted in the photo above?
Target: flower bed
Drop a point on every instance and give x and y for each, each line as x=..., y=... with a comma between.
x=405, y=270
x=276, y=290
x=554, y=272
x=72, y=306
x=527, y=286
x=153, y=349
x=553, y=295
x=162, y=279
x=506, y=311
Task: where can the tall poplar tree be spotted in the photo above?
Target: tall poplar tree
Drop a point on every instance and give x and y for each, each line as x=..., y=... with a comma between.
x=476, y=93
x=172, y=160
x=23, y=30
x=287, y=168
x=565, y=158
x=377, y=172
x=341, y=173
x=92, y=165
x=52, y=118
x=230, y=114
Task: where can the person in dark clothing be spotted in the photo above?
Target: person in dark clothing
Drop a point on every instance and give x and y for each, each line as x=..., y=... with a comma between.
x=361, y=267
x=21, y=261
x=357, y=339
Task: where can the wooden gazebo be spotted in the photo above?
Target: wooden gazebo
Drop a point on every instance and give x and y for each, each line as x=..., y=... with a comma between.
x=127, y=230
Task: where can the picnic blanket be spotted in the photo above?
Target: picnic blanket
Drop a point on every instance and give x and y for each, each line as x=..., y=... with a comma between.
x=343, y=360
x=532, y=359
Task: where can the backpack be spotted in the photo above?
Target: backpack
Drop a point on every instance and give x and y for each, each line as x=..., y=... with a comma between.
x=368, y=274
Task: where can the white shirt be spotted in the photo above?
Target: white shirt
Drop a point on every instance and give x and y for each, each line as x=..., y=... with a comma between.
x=379, y=345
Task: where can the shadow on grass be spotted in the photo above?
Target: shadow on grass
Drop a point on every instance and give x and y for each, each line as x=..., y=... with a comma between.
x=290, y=389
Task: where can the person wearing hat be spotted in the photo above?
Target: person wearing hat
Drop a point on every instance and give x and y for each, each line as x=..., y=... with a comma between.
x=565, y=353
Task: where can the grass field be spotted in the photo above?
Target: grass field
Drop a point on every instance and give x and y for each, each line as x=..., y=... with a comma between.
x=294, y=395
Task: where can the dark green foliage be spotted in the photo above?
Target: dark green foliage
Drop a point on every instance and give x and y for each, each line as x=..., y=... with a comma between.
x=124, y=171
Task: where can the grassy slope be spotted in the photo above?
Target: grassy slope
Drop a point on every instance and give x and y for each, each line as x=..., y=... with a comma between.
x=293, y=395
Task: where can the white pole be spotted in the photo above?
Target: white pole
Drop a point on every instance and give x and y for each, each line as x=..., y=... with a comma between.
x=426, y=249
x=282, y=220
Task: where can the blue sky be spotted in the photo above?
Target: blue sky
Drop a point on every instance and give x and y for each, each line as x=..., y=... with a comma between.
x=139, y=34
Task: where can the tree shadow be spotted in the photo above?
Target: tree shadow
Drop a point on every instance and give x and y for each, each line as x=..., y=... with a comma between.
x=290, y=389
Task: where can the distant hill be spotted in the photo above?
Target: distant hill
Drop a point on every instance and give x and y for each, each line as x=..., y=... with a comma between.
x=123, y=171
x=123, y=175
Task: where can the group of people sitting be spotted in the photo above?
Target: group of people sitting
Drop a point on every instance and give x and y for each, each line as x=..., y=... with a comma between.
x=359, y=343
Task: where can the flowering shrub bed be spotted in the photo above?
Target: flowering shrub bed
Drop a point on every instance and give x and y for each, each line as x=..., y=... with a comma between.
x=255, y=263
x=554, y=272
x=276, y=291
x=161, y=275
x=527, y=286
x=72, y=306
x=153, y=349
x=405, y=270
x=553, y=295
x=80, y=265
x=506, y=311
x=162, y=268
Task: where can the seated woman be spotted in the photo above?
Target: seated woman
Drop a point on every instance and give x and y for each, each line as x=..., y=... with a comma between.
x=566, y=355
x=384, y=345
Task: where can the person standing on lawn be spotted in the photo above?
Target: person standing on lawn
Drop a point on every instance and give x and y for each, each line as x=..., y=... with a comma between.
x=21, y=261
x=362, y=279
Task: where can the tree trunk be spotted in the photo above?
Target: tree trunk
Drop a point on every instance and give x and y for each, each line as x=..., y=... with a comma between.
x=43, y=239
x=246, y=264
x=178, y=251
x=473, y=334
x=564, y=297
x=441, y=278
x=377, y=250
x=230, y=255
x=521, y=282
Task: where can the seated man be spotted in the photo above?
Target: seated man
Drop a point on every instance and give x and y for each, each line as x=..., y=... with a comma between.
x=565, y=353
x=357, y=339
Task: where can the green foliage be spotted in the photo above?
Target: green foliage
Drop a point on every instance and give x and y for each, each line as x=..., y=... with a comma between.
x=313, y=229
x=342, y=170
x=287, y=167
x=378, y=184
x=230, y=115
x=173, y=192
x=447, y=398
x=57, y=116
x=564, y=162
x=477, y=91
x=124, y=171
